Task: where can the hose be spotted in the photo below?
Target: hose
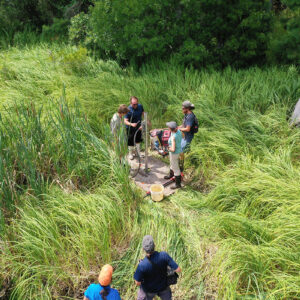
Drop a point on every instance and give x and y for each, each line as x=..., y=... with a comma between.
x=137, y=155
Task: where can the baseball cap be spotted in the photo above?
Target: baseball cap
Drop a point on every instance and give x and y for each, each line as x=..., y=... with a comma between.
x=148, y=243
x=188, y=104
x=171, y=124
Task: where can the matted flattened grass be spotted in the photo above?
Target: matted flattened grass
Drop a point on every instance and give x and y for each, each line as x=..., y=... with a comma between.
x=236, y=237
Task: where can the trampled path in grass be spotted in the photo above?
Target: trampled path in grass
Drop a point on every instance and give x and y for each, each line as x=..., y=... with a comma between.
x=235, y=231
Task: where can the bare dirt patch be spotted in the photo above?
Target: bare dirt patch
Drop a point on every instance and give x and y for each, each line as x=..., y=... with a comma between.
x=157, y=170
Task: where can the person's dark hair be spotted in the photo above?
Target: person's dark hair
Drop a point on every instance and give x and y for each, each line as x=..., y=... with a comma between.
x=104, y=292
x=133, y=97
x=123, y=109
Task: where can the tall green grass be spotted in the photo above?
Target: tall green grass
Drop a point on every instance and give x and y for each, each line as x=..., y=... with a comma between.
x=235, y=231
x=62, y=239
x=253, y=216
x=40, y=146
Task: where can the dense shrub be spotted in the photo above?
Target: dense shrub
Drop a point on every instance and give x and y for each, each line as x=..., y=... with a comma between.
x=285, y=38
x=15, y=16
x=74, y=61
x=57, y=31
x=78, y=28
x=196, y=32
x=232, y=34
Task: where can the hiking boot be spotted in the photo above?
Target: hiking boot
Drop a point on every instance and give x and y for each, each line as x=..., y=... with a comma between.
x=131, y=152
x=171, y=174
x=177, y=183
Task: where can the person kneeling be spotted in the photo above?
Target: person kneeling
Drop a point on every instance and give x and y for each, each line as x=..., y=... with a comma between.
x=174, y=153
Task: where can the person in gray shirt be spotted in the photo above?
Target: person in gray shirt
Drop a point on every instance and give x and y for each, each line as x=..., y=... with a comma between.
x=116, y=120
x=187, y=125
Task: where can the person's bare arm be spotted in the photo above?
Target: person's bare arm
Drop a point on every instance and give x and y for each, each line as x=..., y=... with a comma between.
x=138, y=283
x=178, y=270
x=185, y=129
x=85, y=298
x=173, y=146
x=126, y=122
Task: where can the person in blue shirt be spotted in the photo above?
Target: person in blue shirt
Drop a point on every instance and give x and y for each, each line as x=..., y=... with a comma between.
x=102, y=291
x=174, y=153
x=151, y=273
x=133, y=122
x=187, y=125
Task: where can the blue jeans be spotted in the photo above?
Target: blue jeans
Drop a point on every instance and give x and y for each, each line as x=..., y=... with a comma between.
x=185, y=145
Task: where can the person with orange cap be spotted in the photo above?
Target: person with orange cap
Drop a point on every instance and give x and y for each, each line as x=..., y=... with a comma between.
x=102, y=291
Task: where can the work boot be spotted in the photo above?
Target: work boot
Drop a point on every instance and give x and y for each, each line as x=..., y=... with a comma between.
x=177, y=183
x=171, y=174
x=131, y=152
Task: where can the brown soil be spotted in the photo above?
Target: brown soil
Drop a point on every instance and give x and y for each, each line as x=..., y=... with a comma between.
x=157, y=170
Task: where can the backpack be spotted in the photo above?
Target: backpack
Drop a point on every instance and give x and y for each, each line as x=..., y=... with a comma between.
x=195, y=126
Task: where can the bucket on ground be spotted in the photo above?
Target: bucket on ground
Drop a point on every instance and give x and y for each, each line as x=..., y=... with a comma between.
x=157, y=192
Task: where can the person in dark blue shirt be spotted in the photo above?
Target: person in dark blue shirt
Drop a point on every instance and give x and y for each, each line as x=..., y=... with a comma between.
x=133, y=122
x=187, y=125
x=151, y=273
x=102, y=291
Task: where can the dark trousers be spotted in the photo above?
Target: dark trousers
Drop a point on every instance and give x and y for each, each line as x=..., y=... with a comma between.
x=130, y=135
x=163, y=295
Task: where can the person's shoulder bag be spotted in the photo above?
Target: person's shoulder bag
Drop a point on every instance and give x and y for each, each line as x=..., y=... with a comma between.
x=195, y=126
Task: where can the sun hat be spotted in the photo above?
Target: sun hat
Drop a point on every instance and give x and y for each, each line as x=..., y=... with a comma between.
x=172, y=125
x=148, y=243
x=105, y=275
x=188, y=104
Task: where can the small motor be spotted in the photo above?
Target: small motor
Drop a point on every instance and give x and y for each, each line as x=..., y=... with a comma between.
x=160, y=141
x=163, y=153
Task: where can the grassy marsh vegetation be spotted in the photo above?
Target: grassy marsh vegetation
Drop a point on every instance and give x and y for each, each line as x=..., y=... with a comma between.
x=69, y=206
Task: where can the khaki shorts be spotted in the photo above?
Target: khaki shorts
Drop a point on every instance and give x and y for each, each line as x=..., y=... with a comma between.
x=174, y=163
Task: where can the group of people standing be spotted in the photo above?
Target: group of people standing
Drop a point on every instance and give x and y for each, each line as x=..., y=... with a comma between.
x=133, y=115
x=150, y=276
x=180, y=139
